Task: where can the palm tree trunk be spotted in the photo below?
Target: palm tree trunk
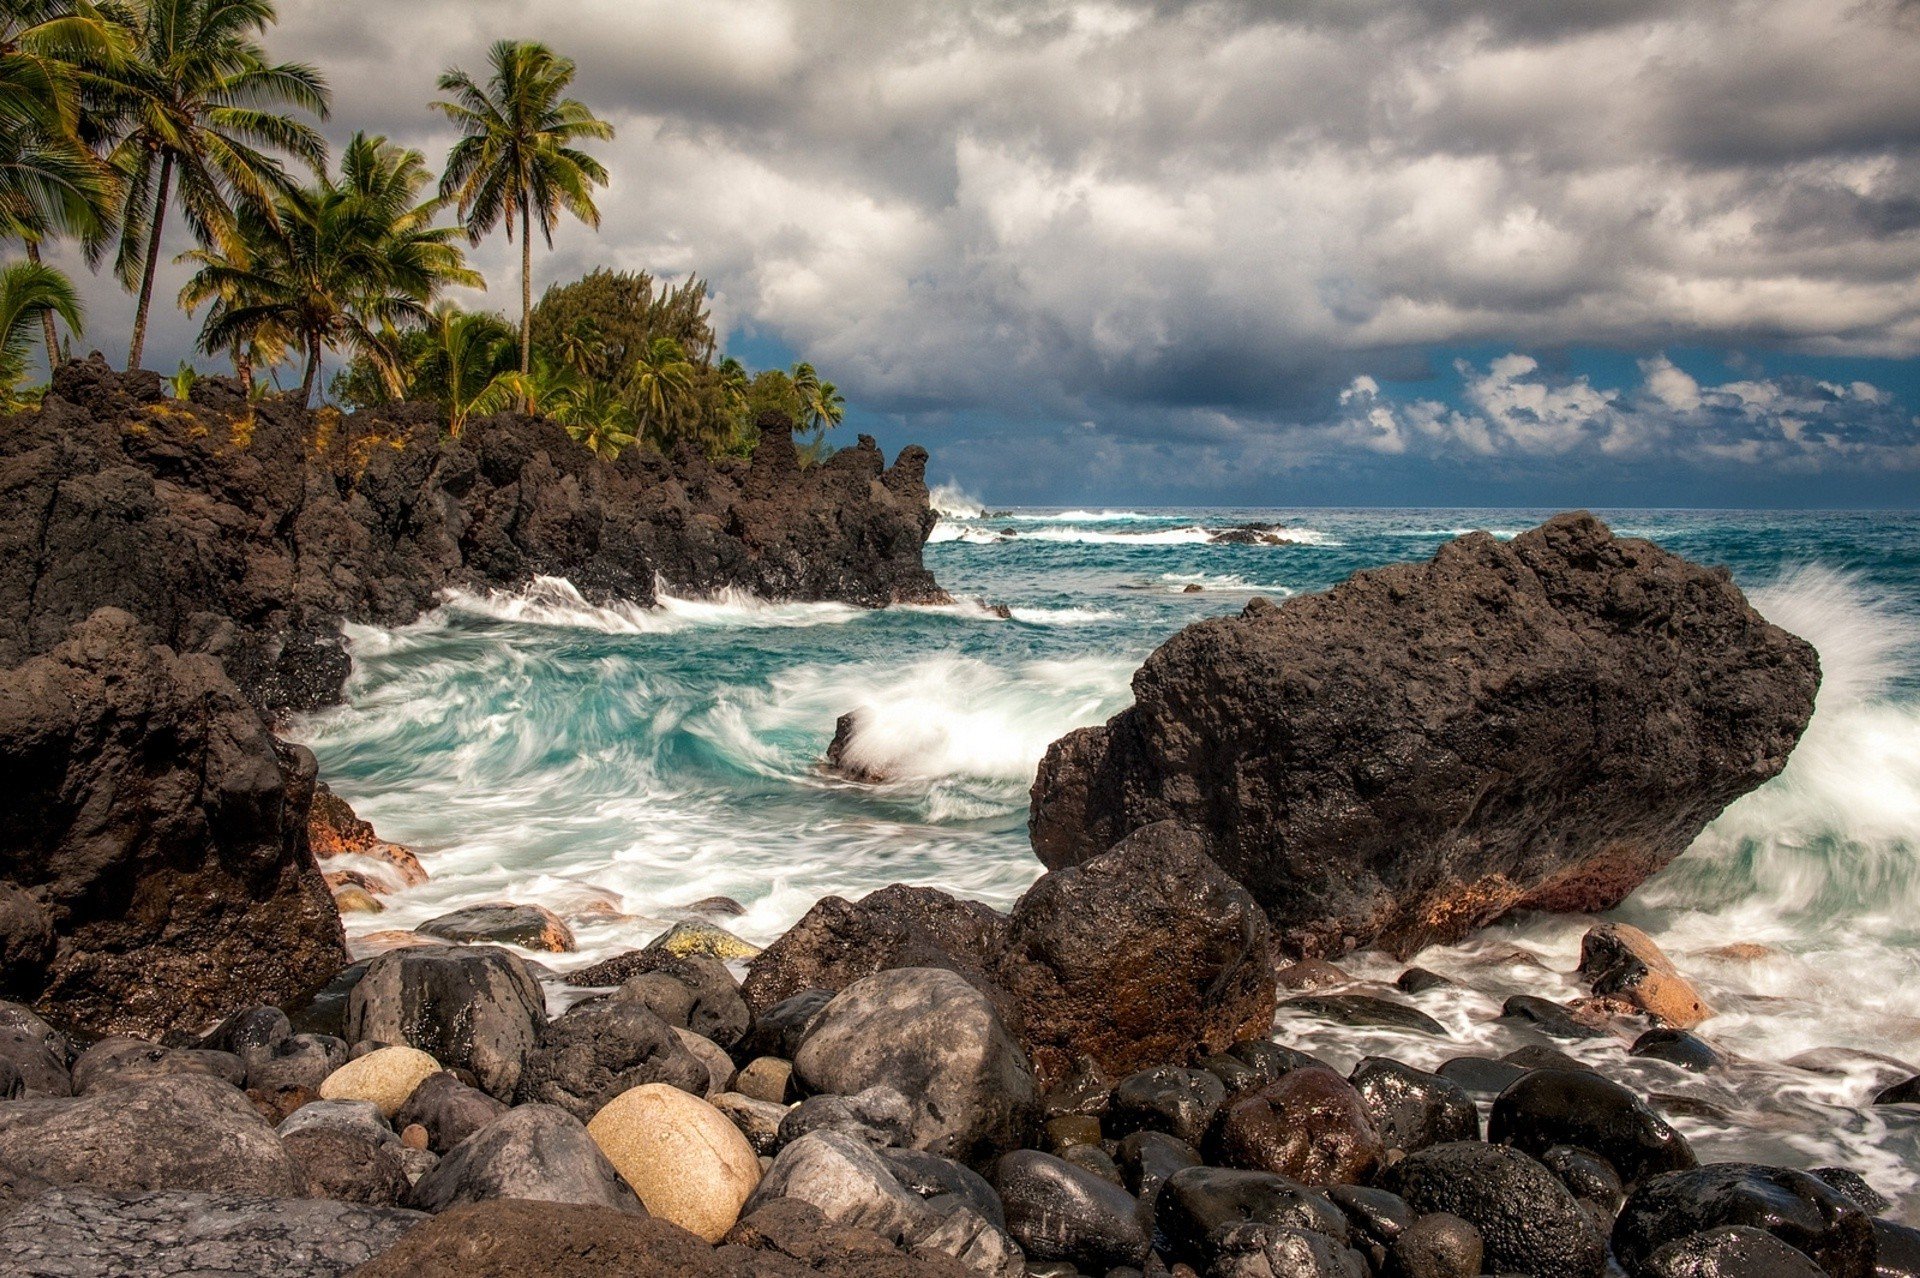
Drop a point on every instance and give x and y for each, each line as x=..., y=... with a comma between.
x=46, y=319
x=153, y=264
x=243, y=367
x=313, y=375
x=526, y=289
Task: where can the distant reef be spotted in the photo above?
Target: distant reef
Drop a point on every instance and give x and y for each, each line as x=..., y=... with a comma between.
x=174, y=575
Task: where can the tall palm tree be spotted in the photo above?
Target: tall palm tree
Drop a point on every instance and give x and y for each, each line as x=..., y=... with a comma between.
x=826, y=406
x=194, y=121
x=29, y=290
x=343, y=262
x=519, y=160
x=51, y=182
x=661, y=376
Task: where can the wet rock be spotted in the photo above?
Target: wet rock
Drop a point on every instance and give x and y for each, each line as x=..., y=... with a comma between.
x=36, y=1050
x=1198, y=1204
x=684, y=1158
x=1311, y=1126
x=534, y=1152
x=1896, y=1250
x=1092, y=1158
x=1180, y=1102
x=1587, y=1176
x=1059, y=1212
x=1676, y=1047
x=1528, y=1222
x=1378, y=1217
x=879, y=1116
x=778, y=1030
x=1621, y=961
x=1904, y=1093
x=198, y=895
x=1311, y=974
x=1637, y=695
x=1438, y=1246
x=1147, y=954
x=1794, y=1207
x=758, y=1120
x=334, y=831
x=936, y=1039
x=838, y=942
x=182, y=1132
x=385, y=1077
x=351, y=898
x=1539, y=1056
x=1069, y=1130
x=1363, y=1010
x=1731, y=1252
x=1276, y=1251
x=1479, y=1075
x=476, y=1008
x=697, y=938
x=1576, y=1107
x=346, y=1166
x=531, y=927
x=1147, y=1159
x=86, y=1233
x=1418, y=980
x=1410, y=1108
x=941, y=1181
x=448, y=1110
x=1854, y=1186
x=965, y=1236
x=1548, y=1017
x=845, y=1179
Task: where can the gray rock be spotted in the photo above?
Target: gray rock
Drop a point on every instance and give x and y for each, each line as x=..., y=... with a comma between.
x=114, y=1062
x=184, y=1132
x=1567, y=711
x=36, y=1049
x=719, y=1065
x=347, y=1166
x=845, y=1179
x=1057, y=1211
x=362, y=1118
x=251, y=1034
x=300, y=1060
x=528, y=926
x=962, y=1234
x=692, y=991
x=536, y=1152
x=758, y=1120
x=449, y=1110
x=930, y=1035
x=85, y=1233
x=941, y=1180
x=878, y=1116
x=599, y=1049
x=476, y=1008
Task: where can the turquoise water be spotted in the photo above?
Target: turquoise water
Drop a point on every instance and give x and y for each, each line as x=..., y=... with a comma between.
x=618, y=763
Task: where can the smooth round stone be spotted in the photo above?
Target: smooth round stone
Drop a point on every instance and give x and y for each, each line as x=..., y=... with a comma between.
x=1806, y=1214
x=1734, y=1251
x=1676, y=1047
x=1546, y=1016
x=386, y=1077
x=766, y=1078
x=1418, y=980
x=1412, y=1109
x=1587, y=1177
x=719, y=1065
x=687, y=1161
x=1197, y=1203
x=1094, y=1159
x=1528, y=1222
x=1552, y=1107
x=1148, y=1158
x=1480, y=1075
x=1059, y=1212
x=1311, y=1125
x=1180, y=1102
x=1438, y=1246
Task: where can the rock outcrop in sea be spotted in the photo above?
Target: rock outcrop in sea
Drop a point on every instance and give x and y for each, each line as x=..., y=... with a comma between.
x=1541, y=723
x=173, y=573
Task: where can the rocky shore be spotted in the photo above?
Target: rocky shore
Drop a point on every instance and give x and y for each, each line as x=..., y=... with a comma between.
x=195, y=1078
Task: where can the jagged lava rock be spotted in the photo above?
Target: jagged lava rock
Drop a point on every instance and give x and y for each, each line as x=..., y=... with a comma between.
x=250, y=530
x=474, y=1007
x=161, y=830
x=1146, y=954
x=1397, y=761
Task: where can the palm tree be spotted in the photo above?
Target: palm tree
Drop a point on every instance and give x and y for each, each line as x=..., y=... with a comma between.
x=470, y=365
x=29, y=290
x=518, y=160
x=733, y=384
x=226, y=279
x=193, y=121
x=550, y=388
x=825, y=406
x=344, y=262
x=51, y=182
x=598, y=418
x=660, y=377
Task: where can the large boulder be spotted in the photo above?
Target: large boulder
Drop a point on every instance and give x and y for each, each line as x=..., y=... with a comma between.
x=1799, y=1210
x=929, y=1035
x=470, y=1007
x=1539, y=723
x=685, y=1159
x=1528, y=1221
x=187, y=1131
x=1146, y=954
x=601, y=1047
x=159, y=831
x=86, y=1233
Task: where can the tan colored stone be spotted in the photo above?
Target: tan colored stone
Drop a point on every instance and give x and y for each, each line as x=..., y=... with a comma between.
x=356, y=900
x=766, y=1078
x=414, y=1136
x=687, y=1161
x=385, y=1076
x=691, y=936
x=1624, y=962
x=1743, y=952
x=1311, y=974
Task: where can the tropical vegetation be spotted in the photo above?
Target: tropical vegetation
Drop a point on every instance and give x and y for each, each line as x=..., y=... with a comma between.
x=123, y=119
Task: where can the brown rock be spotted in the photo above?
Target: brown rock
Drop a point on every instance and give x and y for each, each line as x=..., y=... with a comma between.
x=333, y=830
x=1623, y=962
x=531, y=927
x=1310, y=1125
x=1398, y=761
x=1743, y=952
x=1147, y=955
x=346, y=1166
x=1310, y=974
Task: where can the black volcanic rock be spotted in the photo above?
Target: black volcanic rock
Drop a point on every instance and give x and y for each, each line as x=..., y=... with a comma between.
x=162, y=830
x=1402, y=759
x=252, y=530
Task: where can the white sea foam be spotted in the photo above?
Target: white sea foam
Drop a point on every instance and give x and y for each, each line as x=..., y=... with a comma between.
x=1177, y=583
x=555, y=602
x=950, y=501
x=1086, y=517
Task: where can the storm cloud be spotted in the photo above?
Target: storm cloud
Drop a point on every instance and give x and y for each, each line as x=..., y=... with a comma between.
x=1214, y=227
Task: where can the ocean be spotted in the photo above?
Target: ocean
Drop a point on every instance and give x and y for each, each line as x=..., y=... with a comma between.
x=617, y=764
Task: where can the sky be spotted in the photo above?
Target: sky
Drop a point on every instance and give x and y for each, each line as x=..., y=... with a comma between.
x=1433, y=252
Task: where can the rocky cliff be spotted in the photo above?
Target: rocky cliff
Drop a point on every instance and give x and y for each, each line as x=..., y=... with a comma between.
x=174, y=574
x=1402, y=759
